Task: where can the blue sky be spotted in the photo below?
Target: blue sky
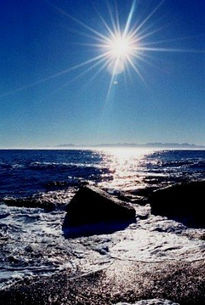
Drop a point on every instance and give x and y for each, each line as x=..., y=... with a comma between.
x=39, y=107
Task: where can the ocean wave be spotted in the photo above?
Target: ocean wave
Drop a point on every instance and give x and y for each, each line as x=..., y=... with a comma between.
x=5, y=165
x=62, y=165
x=198, y=165
x=11, y=166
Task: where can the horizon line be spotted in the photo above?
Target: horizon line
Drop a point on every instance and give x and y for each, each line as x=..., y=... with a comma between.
x=109, y=145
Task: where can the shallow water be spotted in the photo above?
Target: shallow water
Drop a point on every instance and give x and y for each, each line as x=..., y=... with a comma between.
x=32, y=241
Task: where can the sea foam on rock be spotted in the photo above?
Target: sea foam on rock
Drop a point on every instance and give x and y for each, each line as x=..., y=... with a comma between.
x=183, y=201
x=92, y=209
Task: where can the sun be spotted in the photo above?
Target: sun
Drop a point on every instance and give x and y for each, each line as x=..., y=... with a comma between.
x=120, y=47
x=119, y=50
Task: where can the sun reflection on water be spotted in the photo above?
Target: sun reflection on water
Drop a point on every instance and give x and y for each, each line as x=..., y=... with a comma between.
x=126, y=167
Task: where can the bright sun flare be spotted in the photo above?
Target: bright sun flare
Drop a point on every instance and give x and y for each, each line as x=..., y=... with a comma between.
x=120, y=47
x=119, y=50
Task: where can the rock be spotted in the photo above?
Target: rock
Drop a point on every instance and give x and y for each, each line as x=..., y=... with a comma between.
x=143, y=212
x=29, y=202
x=183, y=202
x=47, y=201
x=151, y=302
x=94, y=210
x=92, y=205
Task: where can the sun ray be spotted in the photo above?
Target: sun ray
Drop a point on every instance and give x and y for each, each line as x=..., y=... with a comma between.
x=61, y=11
x=104, y=66
x=114, y=22
x=148, y=17
x=168, y=40
x=87, y=35
x=80, y=75
x=129, y=19
x=112, y=77
x=148, y=62
x=83, y=73
x=89, y=68
x=55, y=75
x=95, y=45
x=104, y=22
x=117, y=21
x=136, y=69
x=141, y=36
x=169, y=50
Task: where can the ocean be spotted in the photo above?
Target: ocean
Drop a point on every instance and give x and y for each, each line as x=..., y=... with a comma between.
x=32, y=243
x=25, y=172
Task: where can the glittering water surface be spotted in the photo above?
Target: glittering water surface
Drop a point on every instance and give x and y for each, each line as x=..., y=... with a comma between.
x=31, y=239
x=24, y=172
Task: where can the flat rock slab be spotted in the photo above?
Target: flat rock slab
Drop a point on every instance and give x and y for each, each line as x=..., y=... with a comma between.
x=91, y=206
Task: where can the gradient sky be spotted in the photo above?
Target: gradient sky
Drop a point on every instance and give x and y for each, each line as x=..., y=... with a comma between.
x=37, y=42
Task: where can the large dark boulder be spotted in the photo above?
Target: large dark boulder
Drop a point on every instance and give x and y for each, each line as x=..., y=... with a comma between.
x=92, y=209
x=184, y=202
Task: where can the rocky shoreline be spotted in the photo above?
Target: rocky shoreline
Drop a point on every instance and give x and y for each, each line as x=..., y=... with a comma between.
x=154, y=260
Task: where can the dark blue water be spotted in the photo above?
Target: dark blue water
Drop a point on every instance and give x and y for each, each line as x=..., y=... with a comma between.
x=25, y=172
x=29, y=171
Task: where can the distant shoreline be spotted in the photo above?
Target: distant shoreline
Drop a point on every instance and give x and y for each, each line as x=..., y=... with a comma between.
x=101, y=148
x=175, y=146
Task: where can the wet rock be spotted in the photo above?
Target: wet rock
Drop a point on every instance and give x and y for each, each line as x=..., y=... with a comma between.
x=183, y=202
x=135, y=199
x=92, y=209
x=29, y=202
x=29, y=248
x=48, y=201
x=151, y=302
x=144, y=191
x=57, y=184
x=143, y=212
x=92, y=205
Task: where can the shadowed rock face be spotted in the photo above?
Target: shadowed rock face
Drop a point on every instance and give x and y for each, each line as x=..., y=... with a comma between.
x=92, y=209
x=184, y=202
